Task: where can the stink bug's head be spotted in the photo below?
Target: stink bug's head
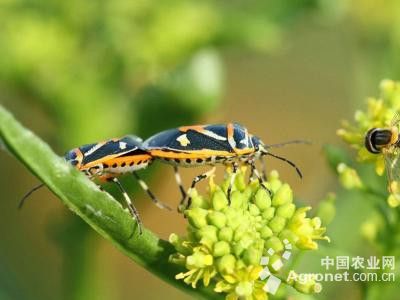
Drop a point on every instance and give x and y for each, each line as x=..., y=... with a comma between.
x=377, y=138
x=73, y=158
x=259, y=147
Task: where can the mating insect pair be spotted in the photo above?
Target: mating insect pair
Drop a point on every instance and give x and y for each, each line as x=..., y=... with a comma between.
x=189, y=146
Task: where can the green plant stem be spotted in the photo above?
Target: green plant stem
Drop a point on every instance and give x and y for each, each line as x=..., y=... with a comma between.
x=98, y=209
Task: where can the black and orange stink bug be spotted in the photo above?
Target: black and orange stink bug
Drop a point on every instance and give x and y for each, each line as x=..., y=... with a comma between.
x=229, y=144
x=107, y=160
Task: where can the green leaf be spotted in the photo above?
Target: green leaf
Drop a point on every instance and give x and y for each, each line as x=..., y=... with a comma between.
x=103, y=213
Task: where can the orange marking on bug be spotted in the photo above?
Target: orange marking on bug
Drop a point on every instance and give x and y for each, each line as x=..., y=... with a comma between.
x=230, y=130
x=198, y=128
x=79, y=158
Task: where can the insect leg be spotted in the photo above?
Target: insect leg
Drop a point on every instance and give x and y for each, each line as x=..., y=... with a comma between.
x=260, y=179
x=131, y=207
x=179, y=182
x=26, y=196
x=195, y=181
x=151, y=195
x=263, y=169
x=231, y=182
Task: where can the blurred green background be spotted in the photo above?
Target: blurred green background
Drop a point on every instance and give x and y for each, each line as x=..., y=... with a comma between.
x=81, y=71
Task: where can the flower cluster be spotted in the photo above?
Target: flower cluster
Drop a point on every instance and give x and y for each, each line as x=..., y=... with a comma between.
x=224, y=243
x=380, y=113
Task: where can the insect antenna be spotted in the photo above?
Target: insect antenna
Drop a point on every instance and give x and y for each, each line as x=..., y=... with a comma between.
x=26, y=196
x=287, y=161
x=305, y=142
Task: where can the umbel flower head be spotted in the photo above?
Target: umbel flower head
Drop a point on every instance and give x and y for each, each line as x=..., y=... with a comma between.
x=379, y=114
x=225, y=243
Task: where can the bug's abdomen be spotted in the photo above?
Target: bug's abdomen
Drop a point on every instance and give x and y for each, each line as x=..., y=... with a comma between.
x=128, y=164
x=193, y=159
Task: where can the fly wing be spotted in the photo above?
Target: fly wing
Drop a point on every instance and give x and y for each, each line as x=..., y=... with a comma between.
x=392, y=165
x=395, y=120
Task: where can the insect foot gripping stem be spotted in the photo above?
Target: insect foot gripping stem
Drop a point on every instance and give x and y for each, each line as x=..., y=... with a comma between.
x=224, y=245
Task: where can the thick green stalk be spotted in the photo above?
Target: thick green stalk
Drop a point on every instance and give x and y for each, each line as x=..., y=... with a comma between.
x=104, y=214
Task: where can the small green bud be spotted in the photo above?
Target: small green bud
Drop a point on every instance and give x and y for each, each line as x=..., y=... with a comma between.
x=221, y=248
x=274, y=243
x=232, y=217
x=326, y=209
x=394, y=200
x=209, y=232
x=197, y=217
x=269, y=213
x=254, y=210
x=217, y=219
x=198, y=260
x=226, y=264
x=225, y=234
x=219, y=200
x=349, y=177
x=277, y=224
x=237, y=199
x=244, y=289
x=273, y=181
x=266, y=232
x=239, y=232
x=286, y=210
x=238, y=249
x=283, y=195
x=251, y=256
x=262, y=199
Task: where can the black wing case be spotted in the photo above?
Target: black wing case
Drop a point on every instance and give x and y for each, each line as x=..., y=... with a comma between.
x=197, y=140
x=123, y=146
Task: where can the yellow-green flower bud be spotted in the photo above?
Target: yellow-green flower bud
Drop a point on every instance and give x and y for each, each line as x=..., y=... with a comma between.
x=217, y=219
x=198, y=260
x=286, y=210
x=277, y=224
x=283, y=195
x=266, y=232
x=208, y=232
x=254, y=210
x=348, y=177
x=274, y=243
x=197, y=217
x=221, y=248
x=394, y=200
x=269, y=213
x=244, y=289
x=262, y=199
x=226, y=264
x=219, y=200
x=225, y=234
x=251, y=256
x=326, y=209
